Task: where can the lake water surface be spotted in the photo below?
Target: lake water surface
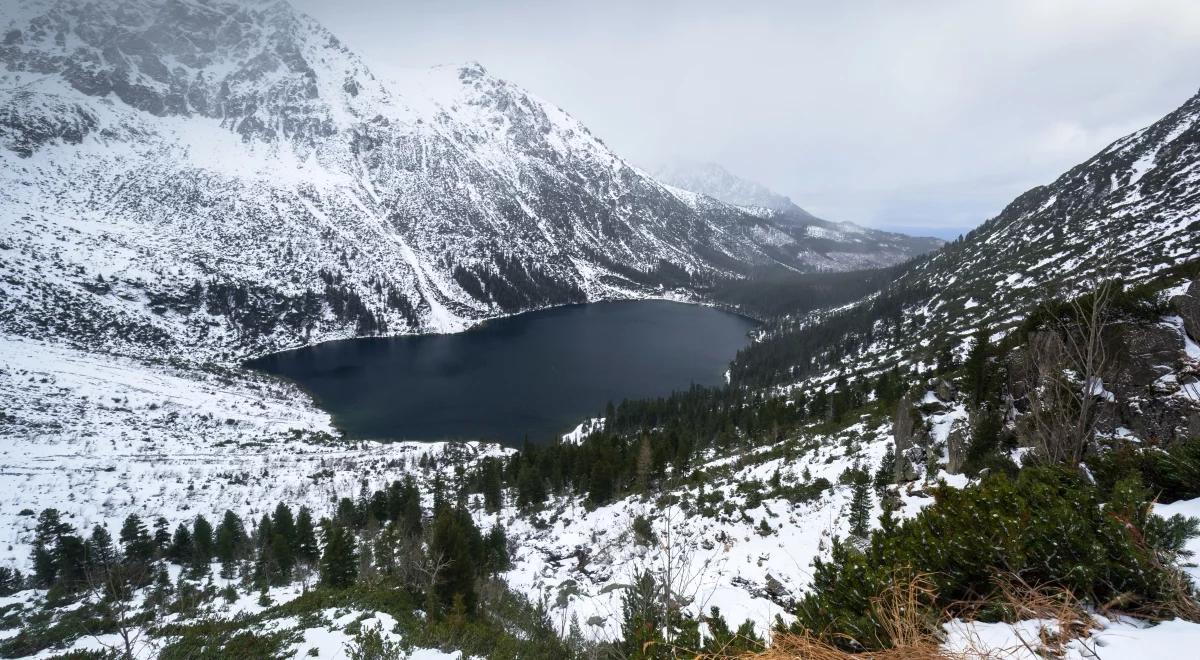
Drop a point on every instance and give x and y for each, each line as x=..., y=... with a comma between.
x=536, y=375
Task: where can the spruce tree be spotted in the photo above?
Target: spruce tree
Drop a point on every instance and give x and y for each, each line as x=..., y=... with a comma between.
x=162, y=535
x=395, y=500
x=339, y=561
x=492, y=499
x=348, y=513
x=72, y=562
x=11, y=581
x=411, y=518
x=202, y=536
x=860, y=506
x=976, y=376
x=439, y=491
x=101, y=554
x=136, y=540
x=985, y=438
x=600, y=481
x=264, y=557
x=886, y=473
x=229, y=542
x=496, y=557
x=47, y=537
x=181, y=549
x=530, y=492
x=202, y=545
x=944, y=359
x=307, y=550
x=284, y=525
x=283, y=544
x=450, y=541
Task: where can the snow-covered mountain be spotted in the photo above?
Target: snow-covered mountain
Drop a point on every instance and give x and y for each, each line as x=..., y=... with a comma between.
x=826, y=242
x=712, y=179
x=228, y=177
x=1129, y=212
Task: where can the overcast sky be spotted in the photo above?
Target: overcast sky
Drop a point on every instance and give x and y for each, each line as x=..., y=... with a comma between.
x=922, y=116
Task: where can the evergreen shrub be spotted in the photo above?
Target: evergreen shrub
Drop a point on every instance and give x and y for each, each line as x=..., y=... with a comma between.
x=1048, y=526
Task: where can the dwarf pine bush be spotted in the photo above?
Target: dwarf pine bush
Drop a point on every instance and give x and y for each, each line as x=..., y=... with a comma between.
x=1048, y=526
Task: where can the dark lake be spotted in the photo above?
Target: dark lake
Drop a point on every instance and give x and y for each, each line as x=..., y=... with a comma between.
x=537, y=374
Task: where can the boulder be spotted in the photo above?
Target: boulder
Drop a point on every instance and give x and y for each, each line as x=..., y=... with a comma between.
x=902, y=433
x=943, y=390
x=1140, y=354
x=956, y=446
x=1160, y=420
x=1187, y=305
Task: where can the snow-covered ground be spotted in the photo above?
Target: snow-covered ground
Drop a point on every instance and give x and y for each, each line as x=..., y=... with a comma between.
x=328, y=634
x=579, y=559
x=99, y=437
x=1120, y=638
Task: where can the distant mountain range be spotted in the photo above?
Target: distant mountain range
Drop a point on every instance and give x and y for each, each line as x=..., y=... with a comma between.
x=715, y=181
x=826, y=239
x=228, y=178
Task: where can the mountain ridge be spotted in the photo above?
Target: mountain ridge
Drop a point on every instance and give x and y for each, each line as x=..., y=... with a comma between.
x=714, y=181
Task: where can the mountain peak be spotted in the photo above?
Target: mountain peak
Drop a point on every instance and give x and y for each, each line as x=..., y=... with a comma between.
x=712, y=179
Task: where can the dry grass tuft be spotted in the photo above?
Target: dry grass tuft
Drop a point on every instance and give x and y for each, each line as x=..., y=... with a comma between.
x=903, y=610
x=1064, y=618
x=915, y=632
x=805, y=647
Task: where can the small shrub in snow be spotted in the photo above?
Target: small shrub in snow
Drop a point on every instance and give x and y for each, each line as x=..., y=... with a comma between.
x=370, y=645
x=643, y=532
x=1171, y=473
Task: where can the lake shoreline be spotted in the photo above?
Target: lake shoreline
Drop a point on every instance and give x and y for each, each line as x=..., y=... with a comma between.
x=531, y=375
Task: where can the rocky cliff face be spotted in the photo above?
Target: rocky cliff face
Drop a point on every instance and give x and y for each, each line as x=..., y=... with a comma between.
x=1187, y=304
x=1147, y=393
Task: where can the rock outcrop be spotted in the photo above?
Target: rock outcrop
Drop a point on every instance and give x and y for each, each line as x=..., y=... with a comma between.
x=1187, y=305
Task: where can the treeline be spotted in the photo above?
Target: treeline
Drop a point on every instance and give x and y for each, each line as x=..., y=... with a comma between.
x=380, y=534
x=254, y=309
x=787, y=353
x=377, y=550
x=514, y=285
x=767, y=294
x=644, y=443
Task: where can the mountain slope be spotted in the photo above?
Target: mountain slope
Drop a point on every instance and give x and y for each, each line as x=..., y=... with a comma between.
x=1130, y=212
